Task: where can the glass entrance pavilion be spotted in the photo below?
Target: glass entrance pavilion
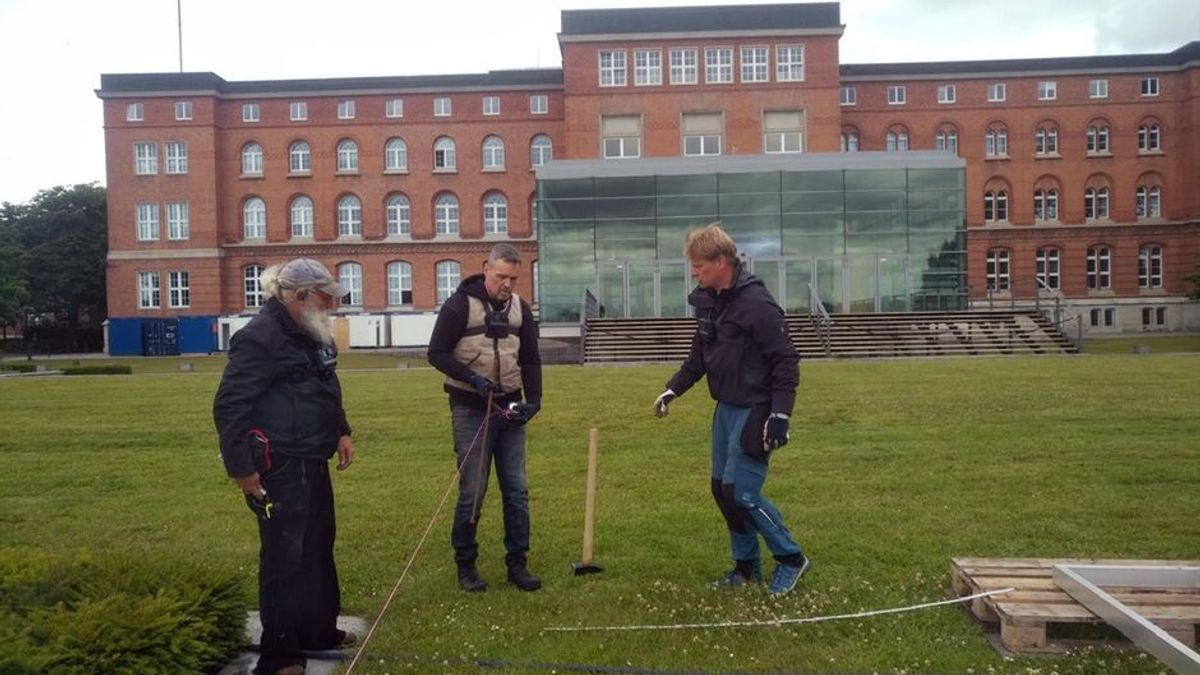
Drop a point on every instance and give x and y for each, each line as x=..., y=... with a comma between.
x=863, y=232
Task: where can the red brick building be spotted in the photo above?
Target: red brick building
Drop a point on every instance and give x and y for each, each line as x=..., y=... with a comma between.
x=1078, y=169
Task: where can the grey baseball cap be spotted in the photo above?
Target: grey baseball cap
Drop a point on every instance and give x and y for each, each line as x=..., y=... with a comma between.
x=308, y=273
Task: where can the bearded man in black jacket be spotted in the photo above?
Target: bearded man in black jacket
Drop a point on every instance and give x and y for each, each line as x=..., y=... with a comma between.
x=743, y=347
x=485, y=342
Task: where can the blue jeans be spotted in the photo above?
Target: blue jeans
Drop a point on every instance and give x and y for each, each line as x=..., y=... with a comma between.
x=737, y=484
x=505, y=445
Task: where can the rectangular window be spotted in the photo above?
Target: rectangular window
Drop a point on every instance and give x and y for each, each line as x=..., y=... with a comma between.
x=180, y=289
x=997, y=270
x=147, y=222
x=135, y=112
x=145, y=159
x=1098, y=268
x=298, y=111
x=996, y=92
x=647, y=67
x=683, y=66
x=1154, y=318
x=177, y=157
x=718, y=65
x=783, y=131
x=612, y=68
x=1047, y=90
x=178, y=228
x=539, y=104
x=897, y=94
x=622, y=136
x=148, y=290
x=754, y=64
x=1150, y=272
x=183, y=111
x=947, y=93
x=393, y=108
x=1149, y=86
x=701, y=134
x=789, y=63
x=849, y=96
x=441, y=106
x=250, y=112
x=1047, y=268
x=1103, y=317
x=346, y=109
x=491, y=105
x=1097, y=88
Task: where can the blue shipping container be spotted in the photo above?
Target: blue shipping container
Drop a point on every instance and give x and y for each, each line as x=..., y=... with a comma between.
x=197, y=334
x=160, y=337
x=125, y=337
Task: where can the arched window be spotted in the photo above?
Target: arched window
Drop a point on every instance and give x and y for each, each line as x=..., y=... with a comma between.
x=897, y=139
x=302, y=217
x=350, y=276
x=541, y=150
x=493, y=153
x=252, y=285
x=995, y=142
x=1045, y=140
x=254, y=219
x=398, y=219
x=850, y=140
x=495, y=214
x=1045, y=205
x=347, y=155
x=1149, y=201
x=946, y=140
x=445, y=214
x=299, y=158
x=252, y=159
x=1150, y=266
x=1099, y=267
x=1149, y=138
x=1097, y=138
x=399, y=280
x=395, y=155
x=349, y=216
x=995, y=205
x=997, y=269
x=1095, y=203
x=449, y=273
x=443, y=154
x=1047, y=268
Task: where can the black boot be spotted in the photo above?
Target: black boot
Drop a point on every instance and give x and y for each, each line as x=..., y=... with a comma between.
x=469, y=579
x=520, y=576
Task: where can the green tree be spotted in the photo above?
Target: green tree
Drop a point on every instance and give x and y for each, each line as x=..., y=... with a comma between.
x=60, y=244
x=13, y=292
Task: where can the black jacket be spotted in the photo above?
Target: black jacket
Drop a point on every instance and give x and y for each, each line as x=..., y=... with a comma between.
x=448, y=330
x=282, y=383
x=742, y=345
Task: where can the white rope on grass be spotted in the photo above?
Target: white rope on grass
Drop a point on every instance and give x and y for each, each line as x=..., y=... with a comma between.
x=776, y=622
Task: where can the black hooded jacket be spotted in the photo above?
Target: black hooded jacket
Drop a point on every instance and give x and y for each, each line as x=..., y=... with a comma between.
x=742, y=345
x=448, y=330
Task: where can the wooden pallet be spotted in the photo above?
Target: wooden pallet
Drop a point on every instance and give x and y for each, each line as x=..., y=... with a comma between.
x=1037, y=603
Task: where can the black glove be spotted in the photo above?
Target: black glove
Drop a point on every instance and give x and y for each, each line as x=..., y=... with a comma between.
x=520, y=413
x=775, y=431
x=483, y=386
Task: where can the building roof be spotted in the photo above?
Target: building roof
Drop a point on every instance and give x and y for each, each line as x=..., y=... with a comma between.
x=692, y=19
x=123, y=84
x=1189, y=53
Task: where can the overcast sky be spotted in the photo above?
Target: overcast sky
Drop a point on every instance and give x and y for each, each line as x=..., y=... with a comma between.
x=53, y=51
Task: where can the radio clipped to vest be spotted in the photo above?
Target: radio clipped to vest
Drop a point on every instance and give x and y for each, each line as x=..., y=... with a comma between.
x=495, y=322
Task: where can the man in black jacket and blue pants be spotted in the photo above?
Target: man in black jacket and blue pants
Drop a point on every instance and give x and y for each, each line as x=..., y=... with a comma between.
x=742, y=345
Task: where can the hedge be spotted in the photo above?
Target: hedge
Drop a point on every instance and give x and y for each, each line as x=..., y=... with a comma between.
x=97, y=370
x=80, y=616
x=18, y=367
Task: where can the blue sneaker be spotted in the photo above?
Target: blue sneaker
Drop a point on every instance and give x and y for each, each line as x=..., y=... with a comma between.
x=785, y=577
x=735, y=579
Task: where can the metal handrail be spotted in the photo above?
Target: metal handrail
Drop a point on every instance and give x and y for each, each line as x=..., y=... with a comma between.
x=589, y=308
x=819, y=317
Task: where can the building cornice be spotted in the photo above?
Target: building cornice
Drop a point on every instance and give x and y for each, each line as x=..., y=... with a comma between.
x=165, y=254
x=702, y=35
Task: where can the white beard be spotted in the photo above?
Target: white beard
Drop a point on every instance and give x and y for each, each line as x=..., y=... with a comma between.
x=318, y=325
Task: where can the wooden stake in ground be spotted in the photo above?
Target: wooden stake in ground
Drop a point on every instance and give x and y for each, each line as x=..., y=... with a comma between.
x=586, y=565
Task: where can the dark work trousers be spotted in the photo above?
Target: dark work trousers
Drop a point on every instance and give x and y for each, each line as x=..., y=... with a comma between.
x=297, y=582
x=506, y=447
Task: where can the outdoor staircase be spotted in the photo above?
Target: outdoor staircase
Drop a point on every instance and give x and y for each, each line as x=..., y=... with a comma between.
x=967, y=333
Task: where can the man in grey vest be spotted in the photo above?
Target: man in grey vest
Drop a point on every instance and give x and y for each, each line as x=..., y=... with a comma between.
x=486, y=343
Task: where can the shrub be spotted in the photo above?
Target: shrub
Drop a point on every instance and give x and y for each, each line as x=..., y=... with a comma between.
x=79, y=616
x=97, y=370
x=18, y=367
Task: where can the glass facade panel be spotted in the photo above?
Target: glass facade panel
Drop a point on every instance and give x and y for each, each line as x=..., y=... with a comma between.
x=865, y=239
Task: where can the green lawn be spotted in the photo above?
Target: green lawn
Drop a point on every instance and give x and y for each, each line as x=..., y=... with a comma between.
x=215, y=363
x=1157, y=344
x=894, y=467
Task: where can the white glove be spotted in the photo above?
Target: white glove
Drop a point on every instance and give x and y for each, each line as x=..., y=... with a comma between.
x=660, y=404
